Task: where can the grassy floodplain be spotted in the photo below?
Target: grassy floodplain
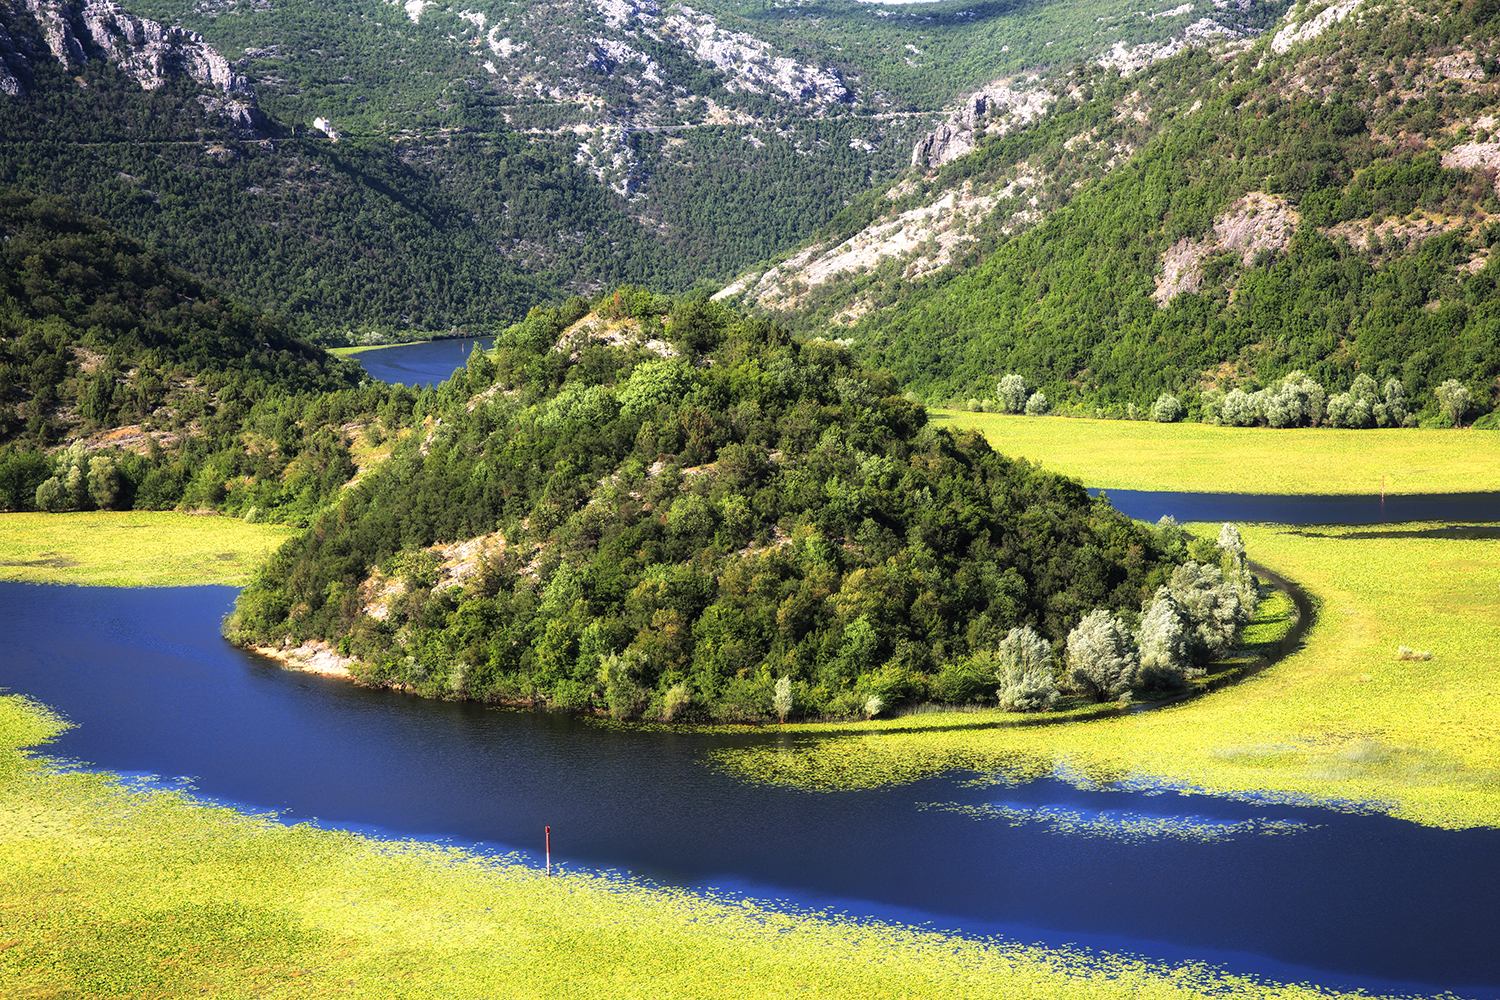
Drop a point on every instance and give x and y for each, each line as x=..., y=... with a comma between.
x=134, y=548
x=112, y=891
x=1340, y=721
x=1201, y=458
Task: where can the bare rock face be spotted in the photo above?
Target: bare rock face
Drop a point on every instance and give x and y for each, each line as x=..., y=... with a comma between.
x=995, y=110
x=77, y=31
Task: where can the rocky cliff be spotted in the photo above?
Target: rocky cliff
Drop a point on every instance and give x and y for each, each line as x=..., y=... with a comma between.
x=76, y=32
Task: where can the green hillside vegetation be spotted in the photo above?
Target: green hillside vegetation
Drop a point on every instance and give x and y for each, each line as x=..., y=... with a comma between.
x=1388, y=273
x=671, y=536
x=168, y=393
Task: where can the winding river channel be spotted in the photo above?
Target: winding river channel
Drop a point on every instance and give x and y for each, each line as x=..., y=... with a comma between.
x=1291, y=892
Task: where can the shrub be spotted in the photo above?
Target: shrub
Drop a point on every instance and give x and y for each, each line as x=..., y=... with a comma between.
x=1102, y=656
x=1037, y=404
x=1024, y=670
x=677, y=700
x=781, y=698
x=52, y=496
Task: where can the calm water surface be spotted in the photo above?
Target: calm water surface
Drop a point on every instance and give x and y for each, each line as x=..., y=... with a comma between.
x=1150, y=506
x=419, y=364
x=1338, y=899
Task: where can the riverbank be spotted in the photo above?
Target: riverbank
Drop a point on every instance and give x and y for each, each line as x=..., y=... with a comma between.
x=1200, y=458
x=242, y=905
x=1341, y=721
x=134, y=548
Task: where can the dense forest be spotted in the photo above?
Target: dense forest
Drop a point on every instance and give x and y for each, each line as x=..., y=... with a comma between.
x=676, y=507
x=166, y=392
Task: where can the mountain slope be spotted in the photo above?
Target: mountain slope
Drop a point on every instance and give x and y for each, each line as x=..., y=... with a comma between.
x=1320, y=199
x=489, y=155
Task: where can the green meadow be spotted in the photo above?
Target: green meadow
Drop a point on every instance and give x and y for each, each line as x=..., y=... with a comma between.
x=1342, y=721
x=109, y=891
x=1201, y=458
x=134, y=548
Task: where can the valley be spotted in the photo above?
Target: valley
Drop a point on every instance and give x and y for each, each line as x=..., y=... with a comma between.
x=718, y=599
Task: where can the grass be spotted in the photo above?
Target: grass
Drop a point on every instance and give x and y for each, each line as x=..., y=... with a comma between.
x=1340, y=721
x=134, y=548
x=108, y=890
x=1199, y=458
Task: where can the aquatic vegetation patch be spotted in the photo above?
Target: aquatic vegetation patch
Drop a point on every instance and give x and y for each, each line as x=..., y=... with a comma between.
x=114, y=890
x=1144, y=455
x=1118, y=824
x=134, y=548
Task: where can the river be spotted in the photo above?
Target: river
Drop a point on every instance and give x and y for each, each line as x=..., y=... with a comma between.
x=427, y=362
x=1291, y=892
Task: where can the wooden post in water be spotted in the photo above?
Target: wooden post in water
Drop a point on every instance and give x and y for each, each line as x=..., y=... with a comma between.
x=548, y=831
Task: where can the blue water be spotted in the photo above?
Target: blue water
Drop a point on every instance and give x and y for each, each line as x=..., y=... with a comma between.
x=1290, y=892
x=1151, y=506
x=430, y=362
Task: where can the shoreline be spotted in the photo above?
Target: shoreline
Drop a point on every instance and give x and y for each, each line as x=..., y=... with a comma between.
x=312, y=657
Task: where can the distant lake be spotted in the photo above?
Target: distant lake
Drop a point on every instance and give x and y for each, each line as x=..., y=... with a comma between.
x=431, y=361
x=1291, y=892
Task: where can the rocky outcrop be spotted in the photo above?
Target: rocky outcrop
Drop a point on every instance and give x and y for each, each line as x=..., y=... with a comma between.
x=1255, y=223
x=79, y=31
x=993, y=111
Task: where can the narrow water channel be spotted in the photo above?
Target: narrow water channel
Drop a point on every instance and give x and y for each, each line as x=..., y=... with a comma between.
x=1293, y=893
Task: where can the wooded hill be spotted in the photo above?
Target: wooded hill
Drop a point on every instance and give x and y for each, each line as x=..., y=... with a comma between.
x=1316, y=202
x=662, y=508
x=171, y=392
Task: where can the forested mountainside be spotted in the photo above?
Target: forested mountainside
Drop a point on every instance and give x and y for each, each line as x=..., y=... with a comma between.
x=165, y=391
x=1321, y=198
x=664, y=508
x=494, y=155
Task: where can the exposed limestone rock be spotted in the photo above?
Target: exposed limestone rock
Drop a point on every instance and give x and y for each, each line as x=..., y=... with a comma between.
x=929, y=235
x=1254, y=223
x=751, y=64
x=77, y=31
x=995, y=110
x=1306, y=31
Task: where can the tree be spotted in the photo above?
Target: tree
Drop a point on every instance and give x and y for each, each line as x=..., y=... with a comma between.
x=1037, y=404
x=1453, y=399
x=1011, y=394
x=1212, y=606
x=1165, y=650
x=1102, y=656
x=1167, y=409
x=781, y=699
x=1024, y=670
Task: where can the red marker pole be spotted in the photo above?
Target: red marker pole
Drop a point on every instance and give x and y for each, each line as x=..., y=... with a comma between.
x=548, y=830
